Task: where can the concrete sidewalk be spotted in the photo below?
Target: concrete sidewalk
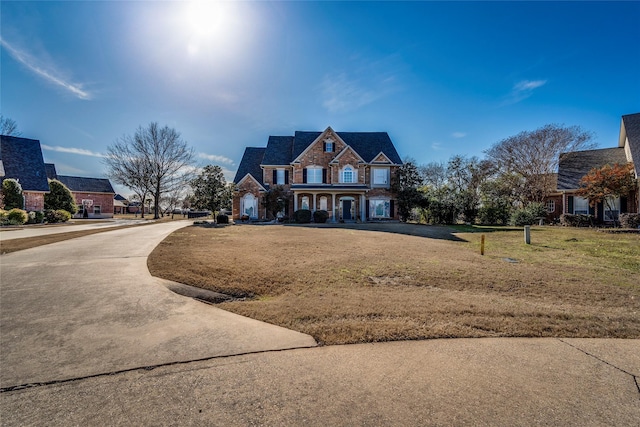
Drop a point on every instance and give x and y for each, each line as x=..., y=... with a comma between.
x=461, y=382
x=80, y=225
x=89, y=306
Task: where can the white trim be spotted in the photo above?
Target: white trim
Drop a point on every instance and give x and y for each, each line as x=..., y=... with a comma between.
x=344, y=150
x=374, y=162
x=328, y=132
x=372, y=176
x=253, y=178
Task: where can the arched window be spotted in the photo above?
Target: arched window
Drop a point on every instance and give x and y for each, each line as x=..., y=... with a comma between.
x=249, y=206
x=348, y=175
x=323, y=203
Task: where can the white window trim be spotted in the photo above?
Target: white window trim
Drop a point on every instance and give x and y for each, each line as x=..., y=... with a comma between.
x=607, y=212
x=324, y=199
x=551, y=206
x=252, y=201
x=575, y=205
x=309, y=174
x=302, y=202
x=387, y=178
x=372, y=207
x=354, y=175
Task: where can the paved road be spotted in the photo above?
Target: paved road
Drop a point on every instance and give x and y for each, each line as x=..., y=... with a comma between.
x=80, y=225
x=91, y=339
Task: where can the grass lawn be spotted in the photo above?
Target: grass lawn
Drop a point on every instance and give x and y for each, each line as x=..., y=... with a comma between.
x=346, y=285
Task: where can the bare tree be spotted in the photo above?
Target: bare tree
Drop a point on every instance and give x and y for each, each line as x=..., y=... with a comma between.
x=153, y=161
x=8, y=126
x=531, y=157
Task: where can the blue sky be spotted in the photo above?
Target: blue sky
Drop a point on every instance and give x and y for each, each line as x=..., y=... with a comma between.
x=442, y=78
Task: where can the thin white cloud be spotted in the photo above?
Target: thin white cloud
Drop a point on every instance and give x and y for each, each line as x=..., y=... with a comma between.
x=458, y=134
x=523, y=90
x=72, y=150
x=342, y=94
x=216, y=158
x=436, y=146
x=48, y=73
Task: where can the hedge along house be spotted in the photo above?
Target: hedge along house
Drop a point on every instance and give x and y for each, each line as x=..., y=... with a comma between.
x=94, y=196
x=574, y=165
x=21, y=159
x=347, y=174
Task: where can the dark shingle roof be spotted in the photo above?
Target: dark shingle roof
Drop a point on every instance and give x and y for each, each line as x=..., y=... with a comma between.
x=367, y=144
x=279, y=150
x=50, y=168
x=250, y=164
x=86, y=185
x=22, y=160
x=573, y=166
x=120, y=197
x=632, y=128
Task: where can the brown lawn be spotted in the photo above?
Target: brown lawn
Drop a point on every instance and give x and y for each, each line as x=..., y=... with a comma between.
x=344, y=285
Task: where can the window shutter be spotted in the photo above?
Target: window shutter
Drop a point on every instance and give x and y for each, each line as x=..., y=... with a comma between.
x=286, y=176
x=623, y=205
x=391, y=209
x=366, y=208
x=304, y=176
x=324, y=146
x=275, y=176
x=324, y=176
x=600, y=207
x=570, y=204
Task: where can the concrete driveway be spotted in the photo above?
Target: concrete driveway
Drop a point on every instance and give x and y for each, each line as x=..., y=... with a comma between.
x=89, y=306
x=89, y=338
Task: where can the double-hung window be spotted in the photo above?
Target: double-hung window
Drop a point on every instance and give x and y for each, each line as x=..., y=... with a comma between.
x=328, y=147
x=348, y=174
x=379, y=208
x=381, y=177
x=280, y=177
x=314, y=175
x=612, y=209
x=580, y=206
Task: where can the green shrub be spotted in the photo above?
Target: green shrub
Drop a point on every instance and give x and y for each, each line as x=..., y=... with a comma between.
x=12, y=194
x=35, y=217
x=320, y=216
x=60, y=197
x=302, y=216
x=629, y=220
x=17, y=216
x=528, y=215
x=222, y=219
x=580, y=220
x=58, y=215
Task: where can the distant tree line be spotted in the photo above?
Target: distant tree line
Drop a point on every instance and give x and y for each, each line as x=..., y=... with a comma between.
x=509, y=185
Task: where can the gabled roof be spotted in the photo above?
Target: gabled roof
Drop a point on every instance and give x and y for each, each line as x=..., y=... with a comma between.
x=120, y=198
x=278, y=151
x=630, y=128
x=86, y=185
x=250, y=164
x=50, y=168
x=22, y=160
x=573, y=166
x=367, y=144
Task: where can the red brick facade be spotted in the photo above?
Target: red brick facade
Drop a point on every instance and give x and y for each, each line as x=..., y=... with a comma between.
x=96, y=205
x=33, y=201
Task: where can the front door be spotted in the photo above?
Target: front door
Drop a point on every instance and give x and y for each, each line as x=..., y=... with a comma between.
x=346, y=209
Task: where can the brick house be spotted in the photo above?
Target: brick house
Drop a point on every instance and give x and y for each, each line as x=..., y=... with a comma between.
x=94, y=196
x=574, y=165
x=21, y=159
x=347, y=174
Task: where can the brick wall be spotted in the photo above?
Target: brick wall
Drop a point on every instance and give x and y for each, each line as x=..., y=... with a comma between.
x=33, y=201
x=104, y=200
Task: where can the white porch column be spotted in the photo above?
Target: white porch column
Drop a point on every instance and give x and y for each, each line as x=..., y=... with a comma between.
x=333, y=208
x=295, y=201
x=363, y=212
x=315, y=197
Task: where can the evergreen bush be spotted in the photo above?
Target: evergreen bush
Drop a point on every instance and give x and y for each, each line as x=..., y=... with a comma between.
x=58, y=215
x=629, y=220
x=302, y=216
x=222, y=219
x=17, y=216
x=320, y=216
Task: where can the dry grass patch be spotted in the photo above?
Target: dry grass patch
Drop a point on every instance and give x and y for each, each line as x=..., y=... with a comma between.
x=346, y=286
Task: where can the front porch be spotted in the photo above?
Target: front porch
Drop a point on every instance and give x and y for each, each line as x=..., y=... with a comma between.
x=341, y=204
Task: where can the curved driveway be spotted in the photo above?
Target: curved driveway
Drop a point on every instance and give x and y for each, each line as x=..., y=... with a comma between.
x=89, y=306
x=88, y=337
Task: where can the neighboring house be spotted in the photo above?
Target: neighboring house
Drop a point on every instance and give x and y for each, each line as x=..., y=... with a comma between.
x=574, y=165
x=21, y=159
x=347, y=174
x=120, y=204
